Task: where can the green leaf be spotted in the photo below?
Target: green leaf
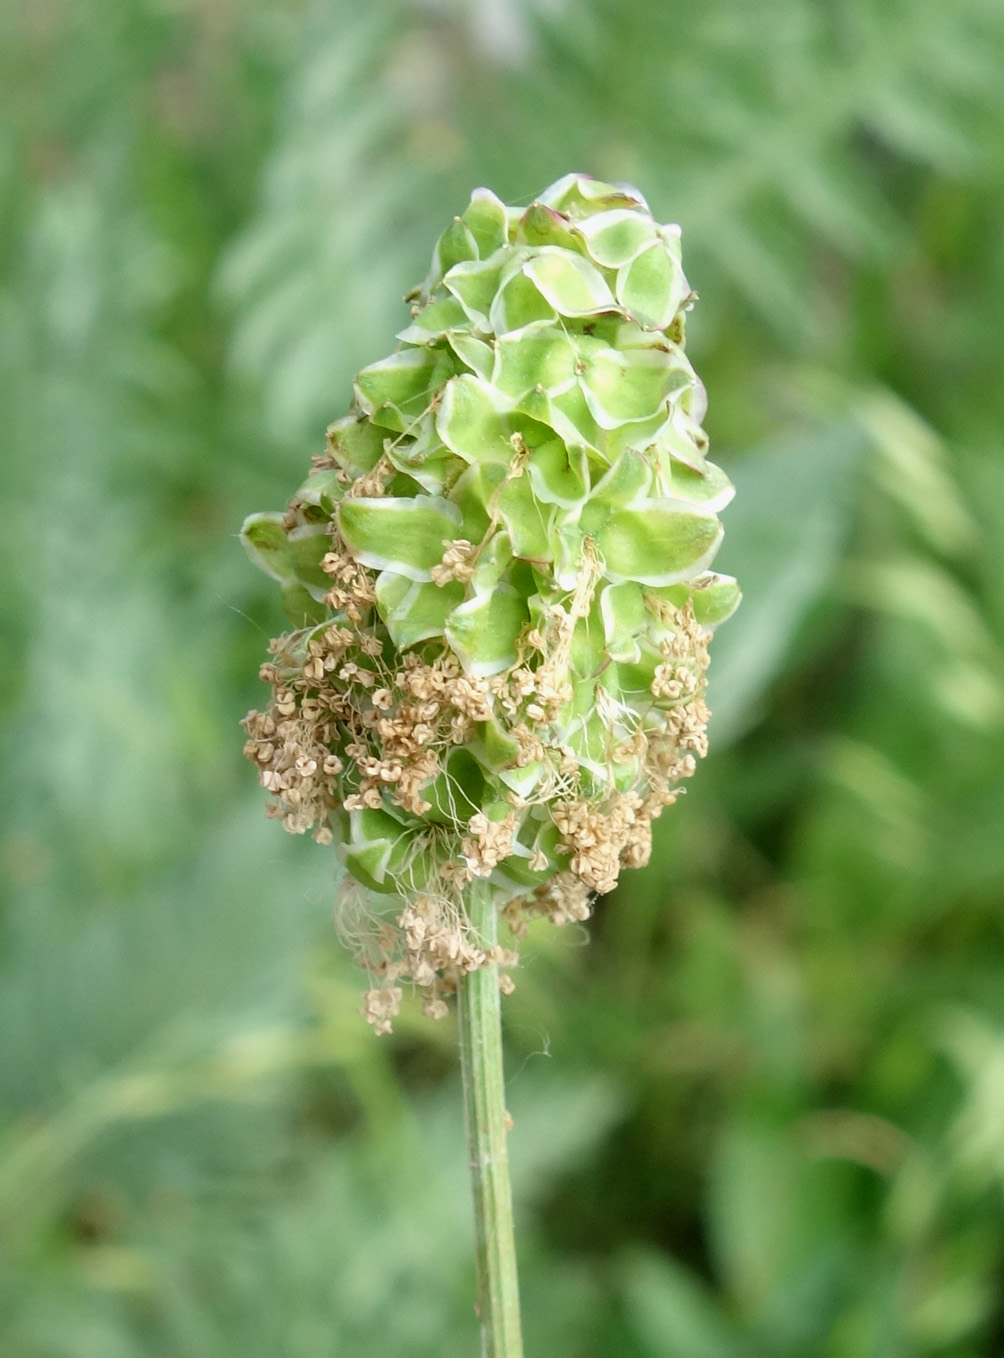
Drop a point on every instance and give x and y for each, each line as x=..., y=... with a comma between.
x=571, y=285
x=527, y=522
x=322, y=490
x=559, y=475
x=629, y=385
x=487, y=220
x=434, y=320
x=425, y=458
x=634, y=677
x=470, y=423
x=475, y=285
x=590, y=740
x=625, y=483
x=579, y=194
x=518, y=303
x=495, y=748
x=652, y=287
x=483, y=630
x=473, y=353
x=459, y=791
x=587, y=658
x=714, y=597
x=474, y=493
x=710, y=487
x=356, y=444
x=659, y=544
x=681, y=439
x=263, y=537
x=368, y=864
x=567, y=541
x=455, y=245
x=541, y=225
x=396, y=391
x=569, y=415
x=375, y=839
x=624, y=619
x=493, y=562
x=406, y=536
x=307, y=545
x=631, y=436
x=414, y=612
x=291, y=557
x=538, y=356
x=615, y=238
x=301, y=607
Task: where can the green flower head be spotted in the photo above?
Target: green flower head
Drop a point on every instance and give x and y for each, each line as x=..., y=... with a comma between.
x=498, y=579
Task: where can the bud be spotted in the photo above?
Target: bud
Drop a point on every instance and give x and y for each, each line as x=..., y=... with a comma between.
x=498, y=576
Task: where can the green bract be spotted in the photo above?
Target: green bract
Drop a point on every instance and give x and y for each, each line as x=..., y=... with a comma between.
x=498, y=576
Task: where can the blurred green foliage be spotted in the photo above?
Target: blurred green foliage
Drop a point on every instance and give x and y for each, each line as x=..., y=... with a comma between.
x=773, y=1121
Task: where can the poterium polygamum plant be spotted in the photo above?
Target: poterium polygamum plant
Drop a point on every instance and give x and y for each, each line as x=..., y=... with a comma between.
x=498, y=575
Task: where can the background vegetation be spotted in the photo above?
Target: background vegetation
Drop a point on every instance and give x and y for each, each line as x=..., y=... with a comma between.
x=761, y=1114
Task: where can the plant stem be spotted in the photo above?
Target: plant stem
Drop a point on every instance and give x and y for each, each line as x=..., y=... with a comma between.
x=479, y=1019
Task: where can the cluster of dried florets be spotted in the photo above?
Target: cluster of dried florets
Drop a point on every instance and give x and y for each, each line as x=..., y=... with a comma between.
x=498, y=572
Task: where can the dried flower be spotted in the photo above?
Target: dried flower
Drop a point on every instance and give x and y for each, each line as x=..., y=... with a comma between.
x=498, y=574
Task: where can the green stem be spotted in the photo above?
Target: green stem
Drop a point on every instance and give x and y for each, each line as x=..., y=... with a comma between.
x=479, y=1019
